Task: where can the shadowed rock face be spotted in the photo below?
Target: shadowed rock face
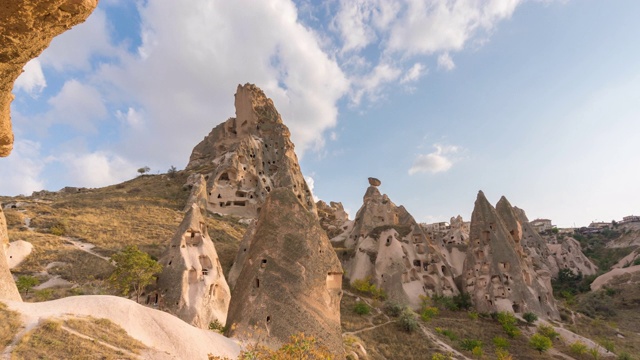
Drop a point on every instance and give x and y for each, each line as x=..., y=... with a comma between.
x=497, y=273
x=27, y=28
x=192, y=285
x=8, y=289
x=290, y=279
x=249, y=156
x=386, y=245
x=333, y=219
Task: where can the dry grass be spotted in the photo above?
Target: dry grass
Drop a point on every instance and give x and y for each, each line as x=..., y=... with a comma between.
x=106, y=331
x=10, y=324
x=51, y=341
x=349, y=319
x=389, y=342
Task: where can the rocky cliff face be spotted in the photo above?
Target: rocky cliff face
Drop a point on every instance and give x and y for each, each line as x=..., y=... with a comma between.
x=8, y=289
x=27, y=28
x=290, y=279
x=247, y=157
x=497, y=273
x=333, y=219
x=198, y=194
x=386, y=245
x=568, y=255
x=192, y=285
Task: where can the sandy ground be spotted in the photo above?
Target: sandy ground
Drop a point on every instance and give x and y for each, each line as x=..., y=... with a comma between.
x=17, y=252
x=603, y=279
x=170, y=337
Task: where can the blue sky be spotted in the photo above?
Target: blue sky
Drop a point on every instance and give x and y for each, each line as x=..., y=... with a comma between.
x=535, y=100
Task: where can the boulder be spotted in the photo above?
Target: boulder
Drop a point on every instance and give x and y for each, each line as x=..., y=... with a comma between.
x=27, y=28
x=192, y=285
x=290, y=279
x=247, y=157
x=374, y=182
x=8, y=289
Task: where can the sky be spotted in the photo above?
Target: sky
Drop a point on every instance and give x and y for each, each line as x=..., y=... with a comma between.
x=538, y=101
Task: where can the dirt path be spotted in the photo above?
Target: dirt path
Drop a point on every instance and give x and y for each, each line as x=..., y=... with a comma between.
x=86, y=247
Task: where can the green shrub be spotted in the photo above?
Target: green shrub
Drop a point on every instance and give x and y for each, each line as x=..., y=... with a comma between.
x=361, y=308
x=439, y=356
x=578, y=348
x=367, y=287
x=595, y=354
x=473, y=315
x=463, y=301
x=26, y=282
x=59, y=228
x=540, y=343
x=470, y=344
x=392, y=308
x=502, y=354
x=548, y=331
x=44, y=294
x=477, y=352
x=216, y=326
x=500, y=342
x=446, y=332
x=445, y=302
x=530, y=317
x=624, y=355
x=607, y=344
x=508, y=322
x=429, y=313
x=408, y=321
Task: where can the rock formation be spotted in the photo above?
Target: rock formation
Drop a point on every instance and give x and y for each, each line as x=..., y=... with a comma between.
x=568, y=255
x=386, y=245
x=198, y=193
x=456, y=241
x=333, y=219
x=27, y=28
x=8, y=289
x=192, y=285
x=249, y=156
x=496, y=273
x=290, y=279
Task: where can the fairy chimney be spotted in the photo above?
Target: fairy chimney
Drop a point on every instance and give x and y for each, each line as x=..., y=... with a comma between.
x=8, y=289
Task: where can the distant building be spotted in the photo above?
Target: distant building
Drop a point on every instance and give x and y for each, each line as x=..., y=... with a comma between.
x=466, y=226
x=541, y=225
x=439, y=226
x=599, y=225
x=630, y=218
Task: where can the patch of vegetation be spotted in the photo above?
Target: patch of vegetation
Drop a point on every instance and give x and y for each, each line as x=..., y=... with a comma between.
x=134, y=271
x=392, y=308
x=500, y=342
x=51, y=341
x=106, y=331
x=10, y=324
x=216, y=326
x=367, y=287
x=596, y=304
x=548, y=332
x=26, y=282
x=407, y=321
x=594, y=246
x=508, y=322
x=567, y=284
x=361, y=308
x=453, y=303
x=578, y=348
x=428, y=312
x=540, y=343
x=299, y=346
x=470, y=344
x=446, y=332
x=530, y=317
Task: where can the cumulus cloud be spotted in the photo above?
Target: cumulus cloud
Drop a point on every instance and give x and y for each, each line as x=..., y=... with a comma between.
x=414, y=73
x=32, y=79
x=446, y=62
x=311, y=184
x=21, y=171
x=440, y=160
x=77, y=104
x=372, y=84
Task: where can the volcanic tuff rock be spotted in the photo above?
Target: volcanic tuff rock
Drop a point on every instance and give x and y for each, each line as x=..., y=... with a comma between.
x=386, y=245
x=198, y=194
x=26, y=29
x=455, y=241
x=192, y=285
x=333, y=219
x=249, y=156
x=496, y=273
x=8, y=289
x=568, y=255
x=291, y=279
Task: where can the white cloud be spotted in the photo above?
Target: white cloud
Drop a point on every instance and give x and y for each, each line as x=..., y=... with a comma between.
x=95, y=169
x=78, y=105
x=132, y=118
x=439, y=160
x=74, y=50
x=32, y=79
x=371, y=84
x=21, y=170
x=352, y=22
x=414, y=73
x=446, y=62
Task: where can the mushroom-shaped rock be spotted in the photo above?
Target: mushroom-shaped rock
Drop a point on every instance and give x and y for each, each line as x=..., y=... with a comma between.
x=27, y=28
x=247, y=157
x=8, y=289
x=291, y=279
x=192, y=285
x=374, y=182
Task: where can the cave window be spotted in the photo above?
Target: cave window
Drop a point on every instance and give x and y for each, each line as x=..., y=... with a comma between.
x=205, y=272
x=416, y=263
x=219, y=196
x=516, y=308
x=257, y=283
x=224, y=176
x=268, y=319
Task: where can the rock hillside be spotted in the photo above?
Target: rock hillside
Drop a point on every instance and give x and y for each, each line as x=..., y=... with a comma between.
x=27, y=28
x=247, y=157
x=290, y=279
x=387, y=245
x=497, y=273
x=192, y=285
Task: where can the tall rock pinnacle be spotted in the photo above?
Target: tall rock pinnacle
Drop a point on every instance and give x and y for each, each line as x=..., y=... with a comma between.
x=192, y=285
x=497, y=273
x=249, y=156
x=8, y=289
x=290, y=280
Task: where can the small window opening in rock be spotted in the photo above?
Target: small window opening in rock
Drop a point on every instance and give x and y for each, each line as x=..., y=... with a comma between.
x=516, y=308
x=257, y=283
x=224, y=176
x=193, y=234
x=205, y=272
x=416, y=263
x=170, y=261
x=539, y=299
x=245, y=250
x=264, y=261
x=268, y=319
x=219, y=196
x=268, y=188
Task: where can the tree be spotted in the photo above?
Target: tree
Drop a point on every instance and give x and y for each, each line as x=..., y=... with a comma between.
x=26, y=282
x=540, y=343
x=144, y=170
x=135, y=269
x=172, y=172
